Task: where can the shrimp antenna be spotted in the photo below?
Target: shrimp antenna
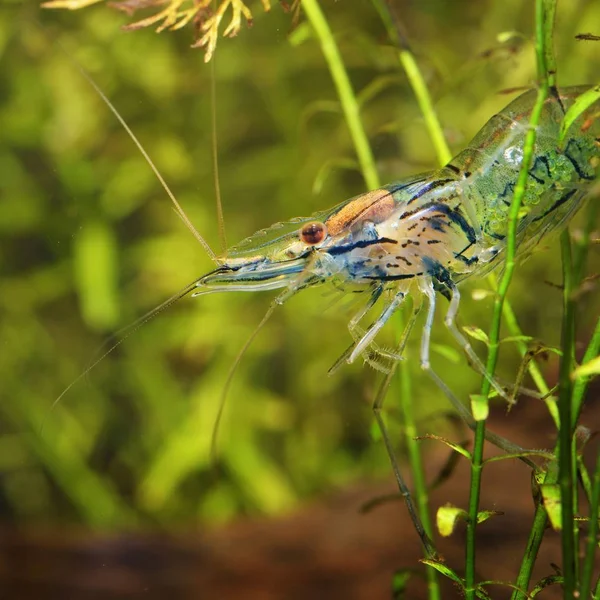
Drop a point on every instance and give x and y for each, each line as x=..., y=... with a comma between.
x=215, y=156
x=146, y=156
x=124, y=333
x=228, y=381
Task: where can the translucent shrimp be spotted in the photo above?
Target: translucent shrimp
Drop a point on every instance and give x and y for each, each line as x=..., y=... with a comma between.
x=424, y=236
x=429, y=233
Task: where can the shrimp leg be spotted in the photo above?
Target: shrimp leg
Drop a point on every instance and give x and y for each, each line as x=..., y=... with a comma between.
x=402, y=485
x=450, y=322
x=367, y=338
x=359, y=335
x=428, y=289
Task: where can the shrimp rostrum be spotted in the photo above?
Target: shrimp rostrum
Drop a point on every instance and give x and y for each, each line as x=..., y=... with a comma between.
x=428, y=233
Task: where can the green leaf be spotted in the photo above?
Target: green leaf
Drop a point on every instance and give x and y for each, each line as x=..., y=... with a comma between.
x=545, y=454
x=580, y=105
x=552, y=504
x=484, y=515
x=444, y=570
x=477, y=334
x=479, y=407
x=454, y=446
x=482, y=594
x=592, y=367
x=544, y=583
x=516, y=339
x=447, y=517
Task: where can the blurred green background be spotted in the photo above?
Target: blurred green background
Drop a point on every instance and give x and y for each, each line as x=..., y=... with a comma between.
x=90, y=243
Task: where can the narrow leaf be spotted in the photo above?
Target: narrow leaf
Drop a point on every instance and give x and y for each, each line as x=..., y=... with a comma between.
x=551, y=496
x=444, y=570
x=477, y=334
x=580, y=105
x=482, y=594
x=479, y=407
x=447, y=517
x=591, y=367
x=448, y=443
x=516, y=339
x=484, y=515
x=544, y=583
x=545, y=454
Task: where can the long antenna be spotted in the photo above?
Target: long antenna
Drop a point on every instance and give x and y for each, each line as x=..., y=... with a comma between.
x=125, y=332
x=227, y=386
x=215, y=155
x=145, y=154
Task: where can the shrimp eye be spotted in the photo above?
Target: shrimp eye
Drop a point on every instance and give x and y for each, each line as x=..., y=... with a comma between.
x=313, y=233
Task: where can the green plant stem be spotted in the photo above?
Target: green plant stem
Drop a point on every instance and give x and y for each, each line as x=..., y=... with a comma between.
x=579, y=388
x=406, y=397
x=425, y=104
x=592, y=541
x=345, y=92
x=416, y=80
x=416, y=464
x=367, y=165
x=544, y=13
x=536, y=535
x=474, y=495
x=436, y=134
x=582, y=244
x=494, y=337
x=565, y=435
x=540, y=519
x=578, y=393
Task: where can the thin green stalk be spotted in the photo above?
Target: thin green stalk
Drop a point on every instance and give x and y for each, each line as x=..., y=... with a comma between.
x=578, y=395
x=536, y=535
x=592, y=541
x=416, y=464
x=579, y=261
x=345, y=92
x=580, y=386
x=416, y=80
x=474, y=495
x=443, y=153
x=582, y=245
x=544, y=12
x=424, y=100
x=565, y=434
x=367, y=164
x=540, y=519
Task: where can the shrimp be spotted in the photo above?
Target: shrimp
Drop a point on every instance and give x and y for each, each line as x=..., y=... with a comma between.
x=422, y=236
x=429, y=233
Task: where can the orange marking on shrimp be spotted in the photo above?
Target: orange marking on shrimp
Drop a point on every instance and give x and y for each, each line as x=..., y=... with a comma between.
x=374, y=206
